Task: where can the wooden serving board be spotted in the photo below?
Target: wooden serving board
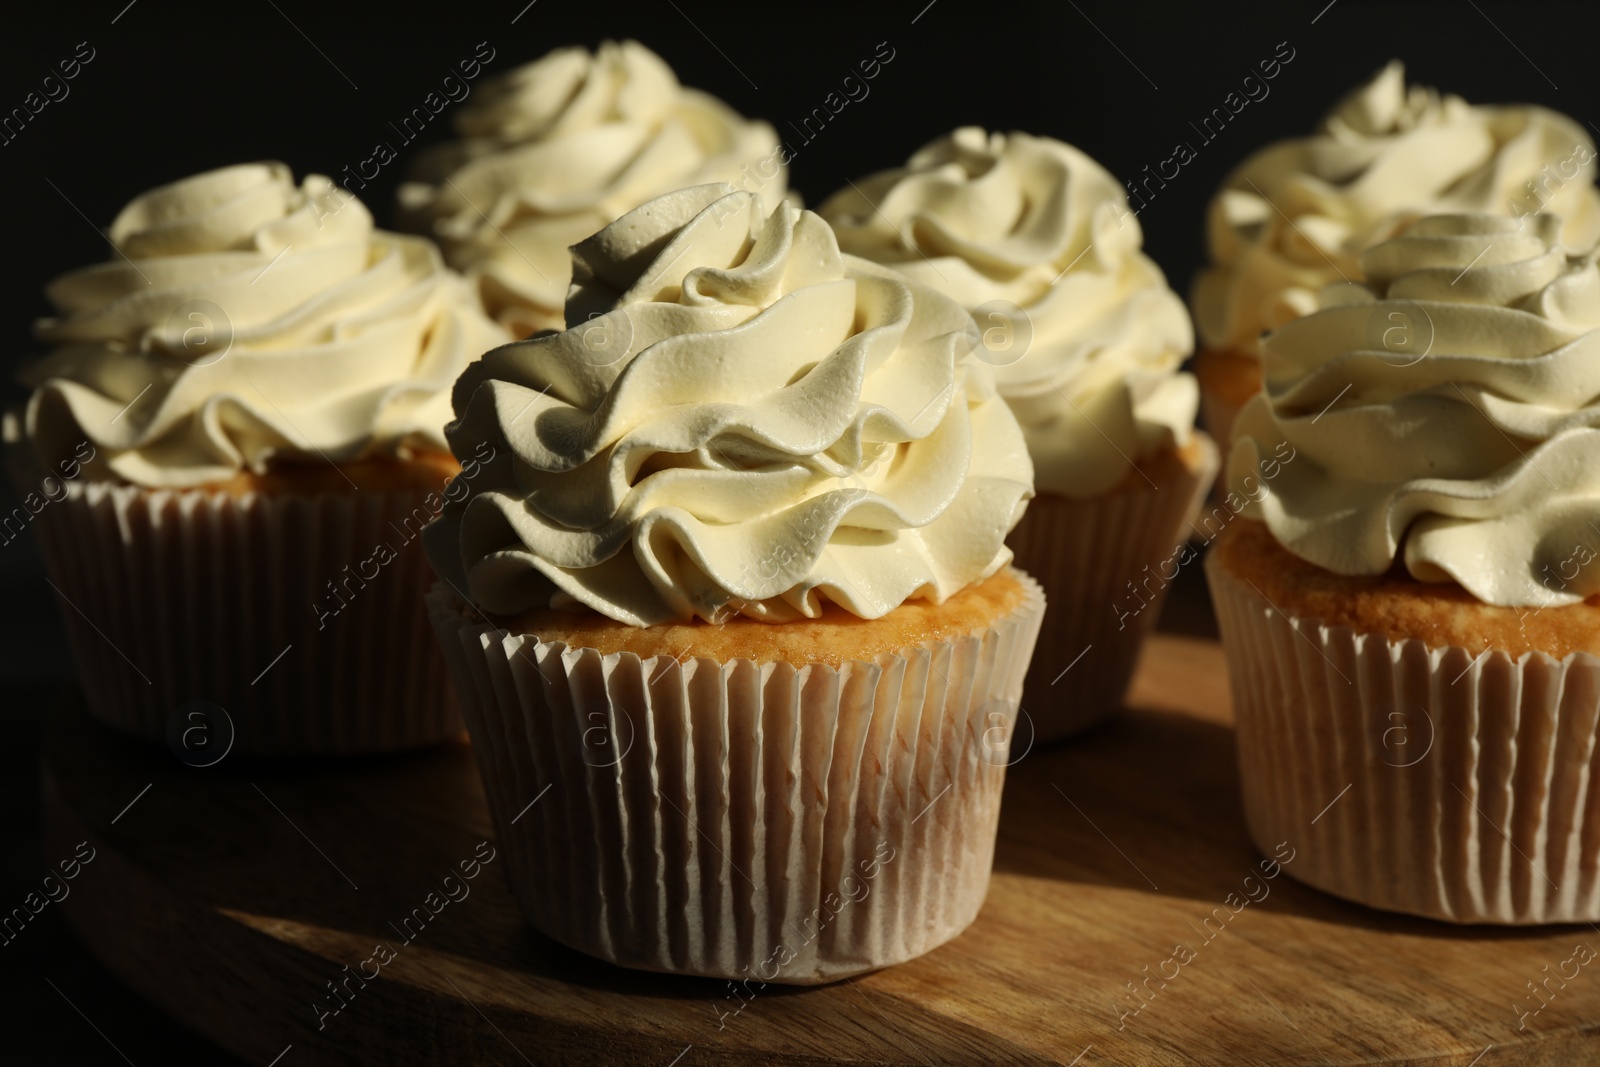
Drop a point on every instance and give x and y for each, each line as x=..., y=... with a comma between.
x=231, y=895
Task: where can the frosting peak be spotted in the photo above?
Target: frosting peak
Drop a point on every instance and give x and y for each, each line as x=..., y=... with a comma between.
x=1038, y=241
x=1446, y=412
x=244, y=318
x=739, y=420
x=1298, y=215
x=558, y=148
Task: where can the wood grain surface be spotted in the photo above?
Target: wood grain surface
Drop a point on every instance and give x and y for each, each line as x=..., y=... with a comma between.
x=232, y=896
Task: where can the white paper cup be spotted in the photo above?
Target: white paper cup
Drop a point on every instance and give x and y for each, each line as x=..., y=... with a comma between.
x=1100, y=562
x=743, y=820
x=1433, y=781
x=172, y=597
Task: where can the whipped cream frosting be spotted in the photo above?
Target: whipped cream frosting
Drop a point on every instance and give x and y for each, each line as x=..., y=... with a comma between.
x=1297, y=215
x=555, y=150
x=1448, y=408
x=1002, y=222
x=243, y=319
x=741, y=421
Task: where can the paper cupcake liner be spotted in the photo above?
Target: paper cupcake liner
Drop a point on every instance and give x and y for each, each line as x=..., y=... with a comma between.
x=741, y=820
x=177, y=596
x=1104, y=566
x=1432, y=781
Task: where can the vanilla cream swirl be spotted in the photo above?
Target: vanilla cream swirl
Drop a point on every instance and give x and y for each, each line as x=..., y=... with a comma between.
x=243, y=319
x=999, y=221
x=1297, y=215
x=558, y=148
x=740, y=421
x=1449, y=408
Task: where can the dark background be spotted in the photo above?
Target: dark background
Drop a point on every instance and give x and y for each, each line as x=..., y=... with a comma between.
x=175, y=89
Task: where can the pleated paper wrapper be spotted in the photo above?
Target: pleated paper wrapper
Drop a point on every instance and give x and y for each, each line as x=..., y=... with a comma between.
x=177, y=596
x=1084, y=553
x=741, y=820
x=1440, y=782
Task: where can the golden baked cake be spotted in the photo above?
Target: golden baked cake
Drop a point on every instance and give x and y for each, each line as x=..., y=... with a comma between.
x=1409, y=596
x=1402, y=608
x=244, y=407
x=738, y=598
x=834, y=637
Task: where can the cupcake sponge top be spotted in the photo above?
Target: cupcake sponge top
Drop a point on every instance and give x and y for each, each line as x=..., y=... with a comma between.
x=832, y=638
x=1396, y=605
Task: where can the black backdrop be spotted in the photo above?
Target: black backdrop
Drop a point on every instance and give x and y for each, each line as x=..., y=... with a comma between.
x=174, y=89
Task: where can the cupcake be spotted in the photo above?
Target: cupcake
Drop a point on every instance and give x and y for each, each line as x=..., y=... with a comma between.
x=239, y=435
x=1037, y=241
x=554, y=150
x=1298, y=215
x=729, y=611
x=1411, y=606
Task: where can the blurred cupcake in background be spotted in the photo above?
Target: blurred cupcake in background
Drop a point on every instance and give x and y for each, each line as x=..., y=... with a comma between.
x=240, y=431
x=1085, y=339
x=556, y=149
x=1411, y=609
x=1297, y=215
x=740, y=601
